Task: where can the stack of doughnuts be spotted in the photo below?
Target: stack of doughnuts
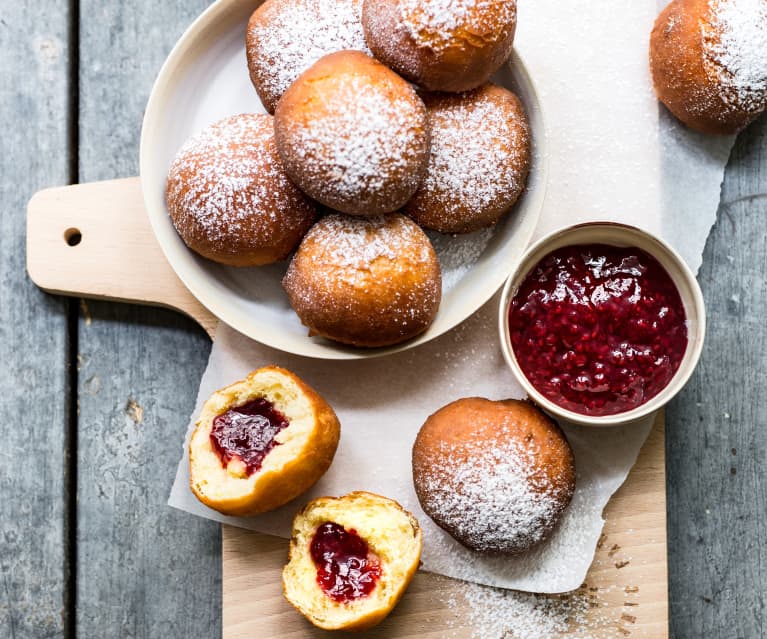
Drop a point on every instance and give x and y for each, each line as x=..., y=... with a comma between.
x=351, y=138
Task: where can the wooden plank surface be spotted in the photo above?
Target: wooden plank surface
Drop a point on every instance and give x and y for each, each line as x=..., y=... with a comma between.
x=144, y=570
x=624, y=592
x=34, y=374
x=717, y=434
x=717, y=564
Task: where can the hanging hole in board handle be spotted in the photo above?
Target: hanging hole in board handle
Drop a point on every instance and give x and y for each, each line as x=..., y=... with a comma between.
x=72, y=236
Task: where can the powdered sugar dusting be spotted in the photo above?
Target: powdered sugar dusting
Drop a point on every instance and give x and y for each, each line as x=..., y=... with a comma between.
x=735, y=41
x=226, y=176
x=367, y=139
x=433, y=23
x=294, y=34
x=354, y=243
x=368, y=281
x=493, y=498
x=479, y=160
x=507, y=614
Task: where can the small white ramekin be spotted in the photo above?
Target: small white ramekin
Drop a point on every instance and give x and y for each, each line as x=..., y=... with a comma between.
x=612, y=234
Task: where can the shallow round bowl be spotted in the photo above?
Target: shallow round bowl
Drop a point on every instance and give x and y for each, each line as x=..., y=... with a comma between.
x=205, y=79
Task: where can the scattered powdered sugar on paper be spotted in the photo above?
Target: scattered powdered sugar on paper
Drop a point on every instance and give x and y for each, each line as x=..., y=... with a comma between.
x=433, y=23
x=507, y=614
x=493, y=498
x=497, y=613
x=297, y=33
x=736, y=41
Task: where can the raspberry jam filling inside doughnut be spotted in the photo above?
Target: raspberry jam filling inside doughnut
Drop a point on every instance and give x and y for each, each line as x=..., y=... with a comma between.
x=346, y=569
x=247, y=433
x=598, y=329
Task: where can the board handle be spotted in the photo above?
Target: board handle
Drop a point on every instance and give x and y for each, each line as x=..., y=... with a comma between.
x=94, y=240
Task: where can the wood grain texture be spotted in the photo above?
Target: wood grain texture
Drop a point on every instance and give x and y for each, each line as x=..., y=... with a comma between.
x=625, y=590
x=717, y=436
x=34, y=392
x=144, y=569
x=116, y=254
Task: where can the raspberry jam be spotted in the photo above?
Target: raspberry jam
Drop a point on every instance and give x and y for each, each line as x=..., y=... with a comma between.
x=247, y=433
x=346, y=569
x=598, y=329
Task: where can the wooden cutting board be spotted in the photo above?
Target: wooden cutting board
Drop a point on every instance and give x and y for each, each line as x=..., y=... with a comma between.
x=94, y=240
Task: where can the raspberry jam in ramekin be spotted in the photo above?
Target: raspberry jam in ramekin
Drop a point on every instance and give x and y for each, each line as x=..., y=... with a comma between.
x=598, y=329
x=601, y=323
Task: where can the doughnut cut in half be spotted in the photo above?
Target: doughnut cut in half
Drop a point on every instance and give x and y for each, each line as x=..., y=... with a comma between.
x=261, y=442
x=351, y=560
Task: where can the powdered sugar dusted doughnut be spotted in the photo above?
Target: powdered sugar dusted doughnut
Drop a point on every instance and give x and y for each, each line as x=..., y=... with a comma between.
x=229, y=198
x=709, y=64
x=443, y=45
x=479, y=160
x=365, y=281
x=286, y=37
x=353, y=134
x=497, y=476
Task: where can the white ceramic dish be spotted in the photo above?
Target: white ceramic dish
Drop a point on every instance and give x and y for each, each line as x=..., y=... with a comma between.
x=205, y=79
x=613, y=234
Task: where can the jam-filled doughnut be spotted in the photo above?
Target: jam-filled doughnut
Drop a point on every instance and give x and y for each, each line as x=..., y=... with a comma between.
x=443, y=46
x=365, y=281
x=709, y=64
x=286, y=37
x=230, y=199
x=261, y=442
x=479, y=160
x=496, y=475
x=353, y=134
x=351, y=559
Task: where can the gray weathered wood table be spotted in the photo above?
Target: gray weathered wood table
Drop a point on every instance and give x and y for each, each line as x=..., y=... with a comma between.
x=94, y=398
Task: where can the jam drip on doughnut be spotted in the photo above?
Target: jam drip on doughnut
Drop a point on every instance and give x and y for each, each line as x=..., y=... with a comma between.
x=346, y=569
x=247, y=433
x=598, y=329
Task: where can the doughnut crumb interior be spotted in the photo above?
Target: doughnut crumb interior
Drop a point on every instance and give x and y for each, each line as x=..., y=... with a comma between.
x=261, y=442
x=374, y=535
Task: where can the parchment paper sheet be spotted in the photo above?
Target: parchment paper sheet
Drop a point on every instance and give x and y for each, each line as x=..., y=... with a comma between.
x=615, y=155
